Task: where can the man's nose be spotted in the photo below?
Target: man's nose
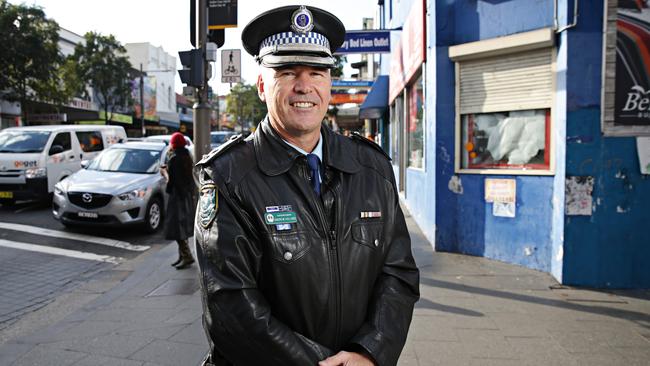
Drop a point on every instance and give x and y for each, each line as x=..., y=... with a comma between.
x=303, y=83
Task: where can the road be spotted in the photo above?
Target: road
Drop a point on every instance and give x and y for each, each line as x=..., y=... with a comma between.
x=40, y=259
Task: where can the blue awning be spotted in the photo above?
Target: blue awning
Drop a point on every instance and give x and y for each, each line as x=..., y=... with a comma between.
x=377, y=100
x=167, y=123
x=169, y=119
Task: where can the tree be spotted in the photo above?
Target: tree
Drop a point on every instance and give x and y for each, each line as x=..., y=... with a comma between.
x=30, y=57
x=101, y=63
x=244, y=104
x=337, y=71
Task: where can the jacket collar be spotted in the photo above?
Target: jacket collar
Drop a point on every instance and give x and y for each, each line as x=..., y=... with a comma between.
x=275, y=157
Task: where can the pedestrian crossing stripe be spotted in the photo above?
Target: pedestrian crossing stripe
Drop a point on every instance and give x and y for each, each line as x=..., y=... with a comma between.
x=73, y=236
x=59, y=251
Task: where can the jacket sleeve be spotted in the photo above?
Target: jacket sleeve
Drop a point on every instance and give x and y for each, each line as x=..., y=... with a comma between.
x=172, y=171
x=390, y=310
x=237, y=317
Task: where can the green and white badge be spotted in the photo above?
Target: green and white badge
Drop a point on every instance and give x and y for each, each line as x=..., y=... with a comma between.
x=278, y=215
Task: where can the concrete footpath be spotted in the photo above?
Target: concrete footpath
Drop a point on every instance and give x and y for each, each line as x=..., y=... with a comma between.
x=473, y=311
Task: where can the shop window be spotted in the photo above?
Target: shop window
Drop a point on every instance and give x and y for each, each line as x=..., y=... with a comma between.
x=504, y=96
x=90, y=141
x=416, y=125
x=506, y=140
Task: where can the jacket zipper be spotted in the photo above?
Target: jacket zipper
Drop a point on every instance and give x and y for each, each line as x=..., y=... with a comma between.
x=335, y=271
x=337, y=259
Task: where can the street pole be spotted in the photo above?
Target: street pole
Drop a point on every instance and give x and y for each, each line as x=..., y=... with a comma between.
x=201, y=107
x=144, y=130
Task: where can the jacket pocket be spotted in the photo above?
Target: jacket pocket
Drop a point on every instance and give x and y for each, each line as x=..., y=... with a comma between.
x=368, y=233
x=290, y=247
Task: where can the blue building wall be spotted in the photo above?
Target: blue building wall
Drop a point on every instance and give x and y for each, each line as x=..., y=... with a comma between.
x=464, y=222
x=610, y=248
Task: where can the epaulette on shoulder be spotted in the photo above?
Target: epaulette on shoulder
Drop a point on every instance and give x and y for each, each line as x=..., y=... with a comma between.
x=207, y=158
x=357, y=137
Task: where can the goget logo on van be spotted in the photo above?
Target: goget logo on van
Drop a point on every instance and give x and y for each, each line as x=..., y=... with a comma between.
x=25, y=164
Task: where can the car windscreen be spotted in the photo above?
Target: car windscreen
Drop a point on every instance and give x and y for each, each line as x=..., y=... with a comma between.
x=219, y=138
x=23, y=141
x=127, y=161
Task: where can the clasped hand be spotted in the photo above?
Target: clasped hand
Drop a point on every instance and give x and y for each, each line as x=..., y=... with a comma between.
x=344, y=358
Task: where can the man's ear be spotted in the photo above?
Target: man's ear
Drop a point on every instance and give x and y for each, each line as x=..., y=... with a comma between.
x=260, y=87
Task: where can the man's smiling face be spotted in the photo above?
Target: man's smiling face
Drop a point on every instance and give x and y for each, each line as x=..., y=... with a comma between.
x=296, y=97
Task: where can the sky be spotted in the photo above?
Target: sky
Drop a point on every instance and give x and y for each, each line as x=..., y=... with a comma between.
x=166, y=23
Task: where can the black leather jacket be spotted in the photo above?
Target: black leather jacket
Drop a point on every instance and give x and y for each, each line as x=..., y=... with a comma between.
x=341, y=277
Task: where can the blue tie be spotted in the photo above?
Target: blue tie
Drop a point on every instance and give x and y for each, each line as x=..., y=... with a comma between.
x=314, y=162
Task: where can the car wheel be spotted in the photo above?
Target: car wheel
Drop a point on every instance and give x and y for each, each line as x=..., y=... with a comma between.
x=154, y=215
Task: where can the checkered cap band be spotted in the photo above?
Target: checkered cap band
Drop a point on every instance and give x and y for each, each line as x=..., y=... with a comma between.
x=287, y=38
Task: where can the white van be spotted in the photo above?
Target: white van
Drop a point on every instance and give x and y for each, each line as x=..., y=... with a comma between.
x=33, y=159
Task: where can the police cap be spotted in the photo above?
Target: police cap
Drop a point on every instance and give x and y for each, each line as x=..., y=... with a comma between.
x=294, y=35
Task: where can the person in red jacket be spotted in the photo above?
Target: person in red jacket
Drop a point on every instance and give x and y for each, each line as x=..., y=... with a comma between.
x=179, y=222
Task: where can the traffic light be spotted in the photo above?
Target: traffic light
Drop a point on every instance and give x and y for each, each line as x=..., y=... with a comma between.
x=193, y=72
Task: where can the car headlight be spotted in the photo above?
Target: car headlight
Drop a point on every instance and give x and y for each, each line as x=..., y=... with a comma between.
x=58, y=190
x=131, y=195
x=35, y=173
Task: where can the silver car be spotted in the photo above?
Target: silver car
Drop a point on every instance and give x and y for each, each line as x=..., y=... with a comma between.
x=217, y=138
x=122, y=185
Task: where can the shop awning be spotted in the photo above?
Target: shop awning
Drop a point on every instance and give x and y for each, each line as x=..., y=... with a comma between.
x=169, y=119
x=377, y=100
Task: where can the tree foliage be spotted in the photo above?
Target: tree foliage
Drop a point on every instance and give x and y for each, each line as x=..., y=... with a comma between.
x=243, y=104
x=337, y=71
x=101, y=63
x=29, y=57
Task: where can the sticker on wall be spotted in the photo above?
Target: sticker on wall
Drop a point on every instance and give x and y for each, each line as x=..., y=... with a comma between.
x=643, y=150
x=503, y=209
x=578, y=196
x=500, y=190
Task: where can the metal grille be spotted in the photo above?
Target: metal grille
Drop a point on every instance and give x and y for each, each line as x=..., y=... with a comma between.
x=518, y=81
x=12, y=173
x=92, y=200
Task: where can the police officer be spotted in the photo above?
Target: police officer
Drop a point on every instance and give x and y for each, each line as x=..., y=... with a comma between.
x=304, y=254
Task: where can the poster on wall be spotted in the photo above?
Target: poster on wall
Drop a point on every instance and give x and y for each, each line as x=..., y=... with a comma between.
x=149, y=87
x=626, y=79
x=503, y=209
x=632, y=64
x=500, y=190
x=578, y=195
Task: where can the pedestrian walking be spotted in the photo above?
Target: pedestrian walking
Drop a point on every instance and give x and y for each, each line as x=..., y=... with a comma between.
x=303, y=251
x=179, y=221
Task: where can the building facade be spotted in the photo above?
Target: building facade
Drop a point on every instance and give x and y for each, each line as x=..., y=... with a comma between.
x=159, y=82
x=509, y=134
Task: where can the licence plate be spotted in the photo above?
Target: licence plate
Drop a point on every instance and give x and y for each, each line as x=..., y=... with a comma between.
x=90, y=215
x=6, y=194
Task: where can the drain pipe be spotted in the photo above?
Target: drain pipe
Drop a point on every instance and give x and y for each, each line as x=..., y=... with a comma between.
x=556, y=21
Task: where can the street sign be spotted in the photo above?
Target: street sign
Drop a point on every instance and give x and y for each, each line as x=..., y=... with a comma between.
x=231, y=66
x=352, y=83
x=365, y=41
x=222, y=14
x=48, y=117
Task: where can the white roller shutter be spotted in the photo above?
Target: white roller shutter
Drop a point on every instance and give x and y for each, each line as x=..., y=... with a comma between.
x=510, y=82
